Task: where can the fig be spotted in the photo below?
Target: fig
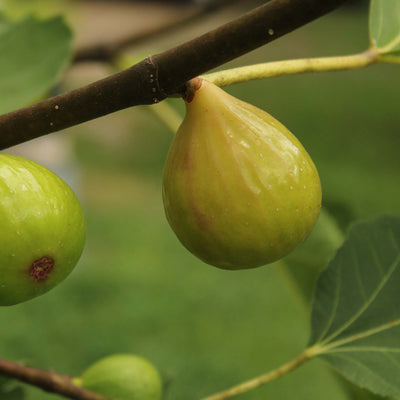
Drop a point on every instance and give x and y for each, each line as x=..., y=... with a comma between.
x=42, y=229
x=123, y=377
x=239, y=189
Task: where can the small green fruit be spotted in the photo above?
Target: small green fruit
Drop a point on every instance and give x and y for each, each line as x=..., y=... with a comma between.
x=123, y=377
x=42, y=230
x=239, y=189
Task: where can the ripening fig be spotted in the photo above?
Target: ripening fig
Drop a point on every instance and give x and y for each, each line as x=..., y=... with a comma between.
x=42, y=229
x=239, y=189
x=122, y=377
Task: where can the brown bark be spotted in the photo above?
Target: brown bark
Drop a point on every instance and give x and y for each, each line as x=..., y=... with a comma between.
x=47, y=380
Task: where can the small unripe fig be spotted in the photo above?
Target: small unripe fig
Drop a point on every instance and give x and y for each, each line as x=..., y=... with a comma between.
x=42, y=229
x=239, y=189
x=123, y=377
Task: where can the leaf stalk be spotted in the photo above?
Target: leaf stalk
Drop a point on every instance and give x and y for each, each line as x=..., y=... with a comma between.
x=263, y=379
x=289, y=67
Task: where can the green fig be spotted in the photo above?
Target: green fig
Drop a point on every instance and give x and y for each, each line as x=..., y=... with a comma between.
x=239, y=189
x=42, y=229
x=123, y=377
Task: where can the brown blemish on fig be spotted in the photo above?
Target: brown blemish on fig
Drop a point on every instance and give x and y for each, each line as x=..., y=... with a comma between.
x=203, y=220
x=40, y=269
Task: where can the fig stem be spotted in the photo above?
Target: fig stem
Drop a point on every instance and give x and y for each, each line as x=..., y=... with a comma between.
x=190, y=89
x=263, y=379
x=289, y=67
x=49, y=381
x=172, y=120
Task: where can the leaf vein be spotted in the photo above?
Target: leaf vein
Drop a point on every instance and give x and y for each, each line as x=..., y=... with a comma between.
x=363, y=349
x=392, y=359
x=368, y=303
x=393, y=389
x=390, y=46
x=396, y=244
x=370, y=332
x=375, y=256
x=358, y=275
x=335, y=307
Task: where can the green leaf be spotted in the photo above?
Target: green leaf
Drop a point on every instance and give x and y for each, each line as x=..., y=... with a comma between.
x=356, y=309
x=42, y=8
x=3, y=381
x=32, y=55
x=384, y=26
x=14, y=394
x=10, y=389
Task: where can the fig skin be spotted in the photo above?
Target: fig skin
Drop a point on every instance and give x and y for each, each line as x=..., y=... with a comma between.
x=42, y=232
x=123, y=377
x=239, y=189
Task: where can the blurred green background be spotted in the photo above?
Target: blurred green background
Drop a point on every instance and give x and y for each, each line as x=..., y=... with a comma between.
x=136, y=289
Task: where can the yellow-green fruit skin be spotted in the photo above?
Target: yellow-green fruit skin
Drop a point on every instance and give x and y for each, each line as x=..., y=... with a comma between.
x=40, y=219
x=123, y=377
x=239, y=189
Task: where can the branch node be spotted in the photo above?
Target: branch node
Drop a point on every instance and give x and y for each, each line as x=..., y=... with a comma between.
x=156, y=89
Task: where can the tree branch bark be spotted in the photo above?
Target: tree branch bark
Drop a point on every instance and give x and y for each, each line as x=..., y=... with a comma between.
x=164, y=74
x=47, y=380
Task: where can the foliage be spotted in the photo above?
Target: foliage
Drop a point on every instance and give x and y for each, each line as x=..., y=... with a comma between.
x=384, y=28
x=10, y=390
x=137, y=291
x=33, y=54
x=355, y=319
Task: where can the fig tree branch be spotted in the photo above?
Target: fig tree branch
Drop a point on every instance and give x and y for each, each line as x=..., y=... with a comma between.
x=49, y=381
x=162, y=75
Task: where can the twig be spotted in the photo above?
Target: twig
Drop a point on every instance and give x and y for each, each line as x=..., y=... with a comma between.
x=263, y=379
x=164, y=74
x=47, y=380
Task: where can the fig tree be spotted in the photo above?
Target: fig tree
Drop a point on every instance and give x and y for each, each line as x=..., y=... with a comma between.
x=239, y=189
x=42, y=229
x=123, y=377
